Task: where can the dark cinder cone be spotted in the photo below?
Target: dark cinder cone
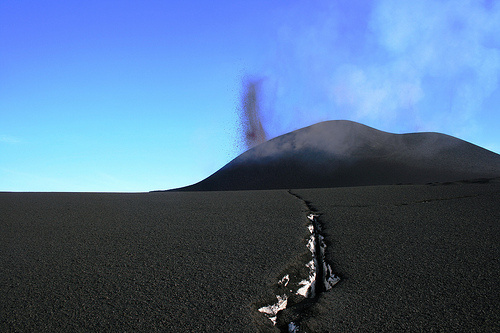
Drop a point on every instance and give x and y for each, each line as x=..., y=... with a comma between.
x=345, y=153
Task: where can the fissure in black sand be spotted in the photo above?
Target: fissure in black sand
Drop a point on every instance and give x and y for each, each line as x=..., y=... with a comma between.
x=287, y=312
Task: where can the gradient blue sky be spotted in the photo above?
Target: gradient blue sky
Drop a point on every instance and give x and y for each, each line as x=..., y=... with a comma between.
x=144, y=95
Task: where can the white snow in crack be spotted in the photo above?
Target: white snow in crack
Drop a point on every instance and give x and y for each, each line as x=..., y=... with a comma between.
x=307, y=289
x=284, y=281
x=308, y=286
x=312, y=216
x=330, y=279
x=272, y=310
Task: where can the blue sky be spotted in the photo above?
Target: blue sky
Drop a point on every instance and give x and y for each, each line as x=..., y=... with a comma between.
x=144, y=95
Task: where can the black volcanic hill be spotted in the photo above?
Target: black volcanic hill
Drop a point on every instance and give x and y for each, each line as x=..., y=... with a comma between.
x=345, y=153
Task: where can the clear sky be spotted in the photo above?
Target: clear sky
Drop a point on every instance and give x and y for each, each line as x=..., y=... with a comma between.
x=144, y=95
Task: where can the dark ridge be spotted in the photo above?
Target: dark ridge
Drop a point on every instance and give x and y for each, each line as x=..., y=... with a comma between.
x=343, y=153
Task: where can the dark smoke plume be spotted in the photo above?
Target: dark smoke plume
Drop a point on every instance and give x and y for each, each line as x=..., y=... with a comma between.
x=250, y=114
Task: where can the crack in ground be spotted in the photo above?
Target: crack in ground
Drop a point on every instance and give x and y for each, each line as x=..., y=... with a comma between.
x=288, y=311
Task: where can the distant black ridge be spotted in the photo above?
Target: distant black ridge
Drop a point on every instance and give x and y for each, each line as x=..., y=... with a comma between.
x=345, y=153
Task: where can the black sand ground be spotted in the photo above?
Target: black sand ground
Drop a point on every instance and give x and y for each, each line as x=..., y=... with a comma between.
x=173, y=262
x=411, y=258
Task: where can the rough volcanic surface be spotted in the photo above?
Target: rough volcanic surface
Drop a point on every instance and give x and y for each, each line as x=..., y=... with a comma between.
x=344, y=153
x=411, y=258
x=145, y=262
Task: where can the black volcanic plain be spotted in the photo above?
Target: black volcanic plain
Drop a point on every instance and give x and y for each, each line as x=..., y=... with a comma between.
x=412, y=258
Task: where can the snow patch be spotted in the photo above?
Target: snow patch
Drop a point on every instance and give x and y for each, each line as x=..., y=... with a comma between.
x=272, y=310
x=329, y=279
x=307, y=289
x=312, y=216
x=284, y=281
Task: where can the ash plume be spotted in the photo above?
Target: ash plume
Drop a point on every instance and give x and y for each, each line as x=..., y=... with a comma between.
x=251, y=128
x=399, y=66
